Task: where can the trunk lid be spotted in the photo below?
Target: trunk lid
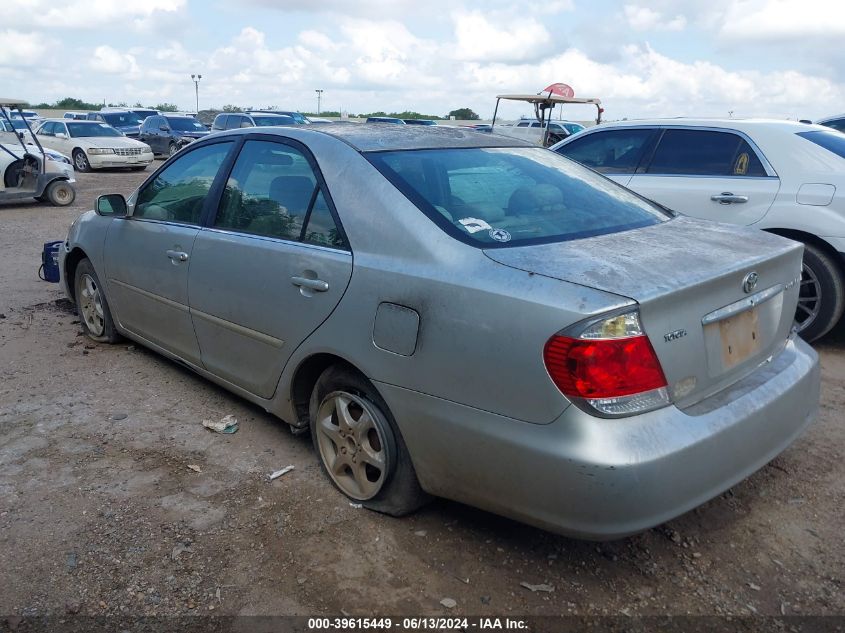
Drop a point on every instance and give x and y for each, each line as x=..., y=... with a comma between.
x=691, y=281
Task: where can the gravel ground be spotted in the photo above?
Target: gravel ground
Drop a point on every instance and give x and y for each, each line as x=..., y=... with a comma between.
x=115, y=500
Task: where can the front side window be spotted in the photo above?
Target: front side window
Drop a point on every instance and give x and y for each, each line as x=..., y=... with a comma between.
x=48, y=129
x=177, y=194
x=704, y=153
x=219, y=122
x=513, y=196
x=609, y=151
x=273, y=192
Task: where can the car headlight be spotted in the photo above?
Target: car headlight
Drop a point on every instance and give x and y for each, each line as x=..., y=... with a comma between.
x=100, y=150
x=57, y=158
x=146, y=149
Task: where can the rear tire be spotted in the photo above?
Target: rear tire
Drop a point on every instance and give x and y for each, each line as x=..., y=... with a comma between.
x=822, y=294
x=80, y=161
x=60, y=193
x=359, y=445
x=94, y=313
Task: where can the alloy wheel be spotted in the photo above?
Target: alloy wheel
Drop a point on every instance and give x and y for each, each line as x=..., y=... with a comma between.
x=809, y=298
x=352, y=444
x=91, y=305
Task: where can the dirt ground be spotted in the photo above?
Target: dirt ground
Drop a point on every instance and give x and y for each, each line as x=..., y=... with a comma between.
x=101, y=514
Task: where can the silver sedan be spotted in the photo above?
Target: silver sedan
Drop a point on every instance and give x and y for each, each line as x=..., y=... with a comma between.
x=459, y=314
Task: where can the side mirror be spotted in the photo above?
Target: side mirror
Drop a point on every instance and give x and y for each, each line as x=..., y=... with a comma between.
x=163, y=128
x=61, y=135
x=111, y=205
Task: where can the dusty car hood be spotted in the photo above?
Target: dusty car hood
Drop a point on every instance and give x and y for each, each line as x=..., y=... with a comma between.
x=109, y=141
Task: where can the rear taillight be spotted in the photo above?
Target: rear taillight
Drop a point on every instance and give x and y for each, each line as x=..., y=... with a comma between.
x=609, y=366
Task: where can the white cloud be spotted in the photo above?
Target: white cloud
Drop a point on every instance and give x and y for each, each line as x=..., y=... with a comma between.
x=783, y=20
x=642, y=18
x=20, y=49
x=90, y=14
x=514, y=39
x=108, y=60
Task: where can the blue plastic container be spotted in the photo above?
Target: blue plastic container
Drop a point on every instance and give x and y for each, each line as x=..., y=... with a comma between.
x=49, y=270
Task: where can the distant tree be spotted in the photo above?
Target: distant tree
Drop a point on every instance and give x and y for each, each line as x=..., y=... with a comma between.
x=413, y=115
x=464, y=114
x=166, y=107
x=122, y=104
x=71, y=103
x=231, y=108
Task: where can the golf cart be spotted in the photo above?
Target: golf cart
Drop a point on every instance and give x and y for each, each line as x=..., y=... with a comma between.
x=543, y=131
x=44, y=175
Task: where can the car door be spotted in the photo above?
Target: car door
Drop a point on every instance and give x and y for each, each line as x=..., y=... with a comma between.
x=616, y=153
x=270, y=267
x=60, y=139
x=148, y=253
x=708, y=173
x=150, y=134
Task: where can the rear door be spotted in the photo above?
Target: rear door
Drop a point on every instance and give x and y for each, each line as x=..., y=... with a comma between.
x=148, y=253
x=712, y=174
x=271, y=266
x=616, y=153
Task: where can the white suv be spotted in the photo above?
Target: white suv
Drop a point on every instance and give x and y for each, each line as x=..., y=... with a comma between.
x=780, y=176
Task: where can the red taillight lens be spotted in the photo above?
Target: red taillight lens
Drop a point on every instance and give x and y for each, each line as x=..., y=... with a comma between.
x=603, y=368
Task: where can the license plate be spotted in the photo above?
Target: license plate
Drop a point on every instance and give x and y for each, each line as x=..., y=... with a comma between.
x=740, y=336
x=133, y=159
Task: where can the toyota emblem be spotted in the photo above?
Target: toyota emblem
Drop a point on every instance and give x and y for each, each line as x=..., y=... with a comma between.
x=749, y=282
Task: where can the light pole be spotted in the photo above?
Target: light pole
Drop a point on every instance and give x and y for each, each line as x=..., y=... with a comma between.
x=196, y=80
x=319, y=98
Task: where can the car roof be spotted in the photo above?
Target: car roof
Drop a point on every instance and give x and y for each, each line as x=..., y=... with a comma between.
x=743, y=125
x=377, y=137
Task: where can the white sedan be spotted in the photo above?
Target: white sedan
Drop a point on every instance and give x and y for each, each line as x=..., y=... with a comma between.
x=93, y=144
x=783, y=177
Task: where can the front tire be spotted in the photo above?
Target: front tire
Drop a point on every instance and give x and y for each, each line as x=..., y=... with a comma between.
x=360, y=448
x=822, y=296
x=94, y=313
x=80, y=161
x=60, y=193
x=172, y=149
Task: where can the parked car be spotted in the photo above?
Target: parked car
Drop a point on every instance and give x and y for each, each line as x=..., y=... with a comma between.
x=783, y=177
x=836, y=122
x=300, y=118
x=124, y=121
x=166, y=134
x=514, y=332
x=93, y=145
x=384, y=119
x=236, y=120
x=532, y=130
x=419, y=122
x=76, y=116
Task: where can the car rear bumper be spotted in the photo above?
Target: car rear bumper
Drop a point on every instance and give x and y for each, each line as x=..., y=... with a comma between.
x=604, y=479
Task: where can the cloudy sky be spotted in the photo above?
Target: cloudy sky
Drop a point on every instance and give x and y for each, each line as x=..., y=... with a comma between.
x=780, y=58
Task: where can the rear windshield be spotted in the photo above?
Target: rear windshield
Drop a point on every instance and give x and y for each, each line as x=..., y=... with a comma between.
x=185, y=124
x=492, y=197
x=273, y=119
x=121, y=118
x=831, y=141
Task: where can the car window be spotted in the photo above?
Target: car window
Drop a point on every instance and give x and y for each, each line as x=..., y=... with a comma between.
x=704, y=153
x=48, y=129
x=523, y=124
x=59, y=128
x=269, y=193
x=178, y=192
x=220, y=122
x=837, y=124
x=831, y=141
x=493, y=197
x=321, y=228
x=609, y=151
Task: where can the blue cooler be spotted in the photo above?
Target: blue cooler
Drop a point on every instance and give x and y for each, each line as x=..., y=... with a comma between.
x=49, y=270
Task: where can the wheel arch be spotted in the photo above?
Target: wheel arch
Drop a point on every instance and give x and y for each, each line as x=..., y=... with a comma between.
x=305, y=377
x=815, y=240
x=72, y=260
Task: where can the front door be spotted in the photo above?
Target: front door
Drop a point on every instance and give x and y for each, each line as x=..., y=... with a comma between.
x=271, y=267
x=710, y=174
x=148, y=253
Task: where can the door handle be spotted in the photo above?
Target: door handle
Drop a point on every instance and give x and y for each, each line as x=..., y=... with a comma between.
x=728, y=198
x=178, y=256
x=312, y=284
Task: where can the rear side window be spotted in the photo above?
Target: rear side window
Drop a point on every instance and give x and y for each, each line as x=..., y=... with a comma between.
x=704, y=153
x=609, y=152
x=274, y=192
x=512, y=196
x=831, y=141
x=177, y=194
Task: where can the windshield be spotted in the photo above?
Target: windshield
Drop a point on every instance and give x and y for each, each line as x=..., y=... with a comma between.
x=185, y=124
x=121, y=118
x=80, y=130
x=513, y=196
x=273, y=119
x=832, y=141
